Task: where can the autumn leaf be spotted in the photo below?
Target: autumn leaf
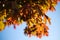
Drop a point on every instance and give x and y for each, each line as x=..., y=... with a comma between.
x=2, y=26
x=45, y=20
x=49, y=20
x=52, y=8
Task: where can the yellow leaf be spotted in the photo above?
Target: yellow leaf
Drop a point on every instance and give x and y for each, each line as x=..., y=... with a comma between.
x=30, y=23
x=1, y=18
x=45, y=20
x=2, y=26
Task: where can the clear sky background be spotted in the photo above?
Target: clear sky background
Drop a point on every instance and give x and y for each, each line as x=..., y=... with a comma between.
x=54, y=29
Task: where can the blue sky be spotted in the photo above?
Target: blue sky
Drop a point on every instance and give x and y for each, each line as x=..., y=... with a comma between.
x=18, y=34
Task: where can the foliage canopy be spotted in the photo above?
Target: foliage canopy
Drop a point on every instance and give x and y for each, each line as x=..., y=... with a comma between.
x=31, y=11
